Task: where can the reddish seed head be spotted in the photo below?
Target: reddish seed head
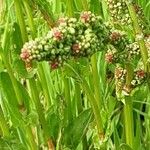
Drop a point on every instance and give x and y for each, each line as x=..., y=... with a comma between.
x=115, y=36
x=137, y=8
x=54, y=64
x=109, y=57
x=28, y=65
x=76, y=48
x=61, y=21
x=140, y=73
x=24, y=54
x=57, y=34
x=118, y=73
x=85, y=16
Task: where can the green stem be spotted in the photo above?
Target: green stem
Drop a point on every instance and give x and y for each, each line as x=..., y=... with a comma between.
x=39, y=107
x=138, y=31
x=128, y=121
x=68, y=98
x=21, y=20
x=96, y=81
x=69, y=8
x=42, y=76
x=30, y=17
x=95, y=108
x=128, y=109
x=78, y=97
x=85, y=5
x=3, y=124
x=31, y=137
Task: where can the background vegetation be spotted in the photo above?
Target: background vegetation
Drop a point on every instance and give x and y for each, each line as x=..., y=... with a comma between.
x=75, y=106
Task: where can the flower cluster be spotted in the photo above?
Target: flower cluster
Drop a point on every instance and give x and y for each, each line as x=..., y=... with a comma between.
x=117, y=48
x=118, y=39
x=71, y=38
x=147, y=41
x=110, y=56
x=139, y=77
x=120, y=14
x=121, y=50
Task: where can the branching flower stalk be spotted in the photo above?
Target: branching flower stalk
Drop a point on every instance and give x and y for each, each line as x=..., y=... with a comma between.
x=71, y=39
x=139, y=36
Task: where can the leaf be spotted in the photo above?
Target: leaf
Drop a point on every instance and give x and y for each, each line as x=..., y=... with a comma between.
x=1, y=66
x=78, y=68
x=11, y=144
x=95, y=6
x=75, y=131
x=125, y=147
x=32, y=118
x=20, y=69
x=53, y=121
x=16, y=39
x=9, y=93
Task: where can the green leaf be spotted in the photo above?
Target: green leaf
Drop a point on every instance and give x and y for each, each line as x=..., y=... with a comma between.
x=53, y=121
x=95, y=6
x=125, y=147
x=75, y=131
x=8, y=92
x=16, y=39
x=11, y=144
x=20, y=68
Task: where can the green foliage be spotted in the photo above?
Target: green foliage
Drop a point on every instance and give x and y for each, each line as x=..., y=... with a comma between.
x=98, y=101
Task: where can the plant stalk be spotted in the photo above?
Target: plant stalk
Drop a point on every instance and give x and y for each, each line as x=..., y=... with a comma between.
x=128, y=108
x=138, y=32
x=3, y=124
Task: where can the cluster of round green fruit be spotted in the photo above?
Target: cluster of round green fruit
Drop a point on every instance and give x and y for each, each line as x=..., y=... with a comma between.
x=71, y=38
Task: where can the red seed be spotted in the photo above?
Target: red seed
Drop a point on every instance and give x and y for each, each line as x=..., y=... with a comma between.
x=57, y=34
x=76, y=48
x=25, y=54
x=140, y=73
x=109, y=57
x=85, y=17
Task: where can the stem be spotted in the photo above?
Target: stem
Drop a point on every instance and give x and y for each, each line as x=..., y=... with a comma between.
x=38, y=105
x=96, y=81
x=68, y=98
x=42, y=76
x=21, y=20
x=93, y=103
x=69, y=9
x=85, y=5
x=95, y=108
x=128, y=109
x=138, y=31
x=30, y=17
x=3, y=124
x=78, y=97
x=31, y=137
x=128, y=121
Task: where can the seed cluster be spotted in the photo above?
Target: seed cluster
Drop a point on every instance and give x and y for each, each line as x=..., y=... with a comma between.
x=122, y=50
x=119, y=11
x=71, y=38
x=120, y=14
x=74, y=38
